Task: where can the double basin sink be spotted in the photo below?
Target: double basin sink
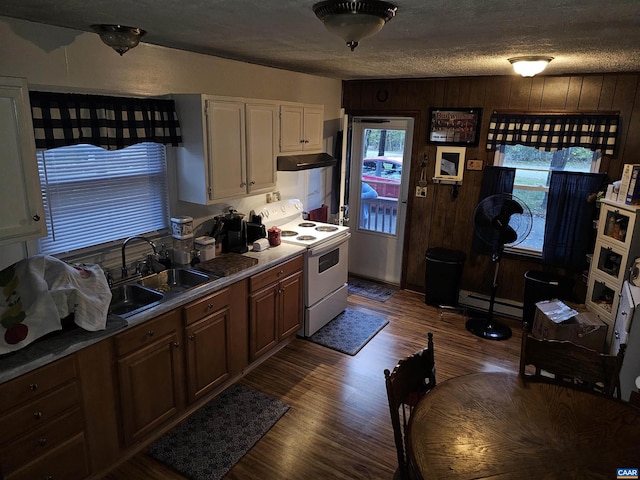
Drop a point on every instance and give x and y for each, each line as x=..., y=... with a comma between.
x=129, y=299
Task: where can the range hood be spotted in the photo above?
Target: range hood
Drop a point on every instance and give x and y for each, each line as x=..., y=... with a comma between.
x=292, y=163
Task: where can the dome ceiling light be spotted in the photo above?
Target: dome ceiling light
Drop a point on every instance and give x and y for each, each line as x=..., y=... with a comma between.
x=353, y=20
x=529, y=66
x=120, y=38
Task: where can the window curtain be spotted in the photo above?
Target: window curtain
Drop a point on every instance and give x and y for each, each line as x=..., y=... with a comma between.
x=551, y=132
x=494, y=180
x=63, y=119
x=568, y=233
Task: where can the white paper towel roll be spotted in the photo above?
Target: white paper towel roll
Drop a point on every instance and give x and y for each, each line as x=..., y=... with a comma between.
x=260, y=245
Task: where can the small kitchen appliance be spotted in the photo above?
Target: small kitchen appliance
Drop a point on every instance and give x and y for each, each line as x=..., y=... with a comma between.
x=326, y=260
x=234, y=232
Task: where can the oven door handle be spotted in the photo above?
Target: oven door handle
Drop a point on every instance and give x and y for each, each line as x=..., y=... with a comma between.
x=330, y=245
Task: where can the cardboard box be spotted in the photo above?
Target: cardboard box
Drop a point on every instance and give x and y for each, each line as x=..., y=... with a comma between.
x=625, y=181
x=555, y=320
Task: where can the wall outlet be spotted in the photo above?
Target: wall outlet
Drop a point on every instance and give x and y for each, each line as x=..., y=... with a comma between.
x=421, y=191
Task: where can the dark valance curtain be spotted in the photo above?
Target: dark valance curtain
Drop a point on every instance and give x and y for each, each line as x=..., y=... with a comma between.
x=63, y=119
x=568, y=233
x=550, y=132
x=494, y=180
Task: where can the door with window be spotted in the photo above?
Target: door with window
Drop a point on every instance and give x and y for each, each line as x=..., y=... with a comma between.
x=378, y=195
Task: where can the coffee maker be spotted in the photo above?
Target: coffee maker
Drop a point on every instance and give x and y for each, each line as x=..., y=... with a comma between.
x=233, y=229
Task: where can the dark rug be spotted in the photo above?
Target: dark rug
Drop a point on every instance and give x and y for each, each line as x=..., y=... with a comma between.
x=211, y=441
x=373, y=290
x=349, y=331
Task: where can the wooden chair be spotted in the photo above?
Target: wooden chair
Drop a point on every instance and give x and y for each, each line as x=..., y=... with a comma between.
x=571, y=365
x=409, y=381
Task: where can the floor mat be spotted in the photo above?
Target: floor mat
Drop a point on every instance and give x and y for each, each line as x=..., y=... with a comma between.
x=349, y=331
x=212, y=440
x=373, y=290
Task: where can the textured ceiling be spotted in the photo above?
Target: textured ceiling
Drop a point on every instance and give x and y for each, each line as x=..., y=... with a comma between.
x=427, y=38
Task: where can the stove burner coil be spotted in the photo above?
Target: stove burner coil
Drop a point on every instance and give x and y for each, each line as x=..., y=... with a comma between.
x=305, y=238
x=307, y=224
x=288, y=233
x=326, y=228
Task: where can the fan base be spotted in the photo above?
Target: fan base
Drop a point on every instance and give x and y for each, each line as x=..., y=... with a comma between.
x=488, y=329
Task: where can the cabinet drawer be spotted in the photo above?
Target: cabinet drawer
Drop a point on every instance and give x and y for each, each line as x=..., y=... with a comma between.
x=31, y=385
x=40, y=441
x=146, y=333
x=206, y=306
x=275, y=274
x=38, y=412
x=68, y=462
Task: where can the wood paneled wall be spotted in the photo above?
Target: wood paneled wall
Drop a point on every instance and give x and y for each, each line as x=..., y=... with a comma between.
x=440, y=220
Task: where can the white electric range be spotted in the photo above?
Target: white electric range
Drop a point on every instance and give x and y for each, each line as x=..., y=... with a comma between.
x=326, y=260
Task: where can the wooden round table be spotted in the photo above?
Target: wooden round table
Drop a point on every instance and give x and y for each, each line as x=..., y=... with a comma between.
x=495, y=425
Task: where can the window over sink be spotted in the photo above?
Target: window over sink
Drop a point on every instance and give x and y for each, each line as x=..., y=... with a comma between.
x=93, y=196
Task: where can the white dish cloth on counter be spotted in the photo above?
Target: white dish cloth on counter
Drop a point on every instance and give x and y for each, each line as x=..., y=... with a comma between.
x=37, y=292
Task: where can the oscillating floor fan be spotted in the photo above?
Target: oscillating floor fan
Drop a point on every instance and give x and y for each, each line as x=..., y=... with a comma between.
x=499, y=220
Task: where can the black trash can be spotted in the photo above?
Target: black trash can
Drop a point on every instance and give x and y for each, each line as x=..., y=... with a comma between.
x=539, y=285
x=442, y=276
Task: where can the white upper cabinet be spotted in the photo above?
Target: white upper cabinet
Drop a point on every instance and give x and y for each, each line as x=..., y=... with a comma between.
x=301, y=128
x=229, y=147
x=22, y=212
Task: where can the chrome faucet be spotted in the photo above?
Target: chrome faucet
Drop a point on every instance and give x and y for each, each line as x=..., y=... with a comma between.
x=124, y=245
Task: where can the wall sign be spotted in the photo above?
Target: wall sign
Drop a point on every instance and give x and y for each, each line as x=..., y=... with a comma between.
x=454, y=126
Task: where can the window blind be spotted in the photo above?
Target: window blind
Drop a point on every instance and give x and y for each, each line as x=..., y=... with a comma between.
x=94, y=196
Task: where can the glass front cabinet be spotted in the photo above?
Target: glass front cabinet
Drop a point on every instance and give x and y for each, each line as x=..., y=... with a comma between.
x=617, y=246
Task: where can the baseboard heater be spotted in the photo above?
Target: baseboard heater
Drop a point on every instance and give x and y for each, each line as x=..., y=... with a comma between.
x=501, y=306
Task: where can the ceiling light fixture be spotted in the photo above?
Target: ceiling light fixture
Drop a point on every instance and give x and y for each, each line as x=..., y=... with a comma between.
x=120, y=38
x=529, y=66
x=353, y=20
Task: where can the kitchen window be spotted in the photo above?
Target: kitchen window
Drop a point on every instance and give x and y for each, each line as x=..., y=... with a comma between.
x=94, y=196
x=531, y=185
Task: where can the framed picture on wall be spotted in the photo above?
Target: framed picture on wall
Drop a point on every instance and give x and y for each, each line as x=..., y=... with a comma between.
x=449, y=164
x=454, y=126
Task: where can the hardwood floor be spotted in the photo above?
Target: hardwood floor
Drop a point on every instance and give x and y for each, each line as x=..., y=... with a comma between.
x=338, y=426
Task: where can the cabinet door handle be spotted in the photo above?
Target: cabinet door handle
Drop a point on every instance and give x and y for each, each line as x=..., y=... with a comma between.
x=33, y=387
x=36, y=218
x=176, y=344
x=150, y=333
x=37, y=415
x=192, y=337
x=252, y=183
x=42, y=441
x=302, y=140
x=306, y=141
x=243, y=184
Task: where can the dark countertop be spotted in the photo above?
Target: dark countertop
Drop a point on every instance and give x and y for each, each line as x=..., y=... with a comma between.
x=53, y=347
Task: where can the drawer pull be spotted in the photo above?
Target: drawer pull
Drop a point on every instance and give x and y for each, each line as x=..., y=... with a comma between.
x=150, y=333
x=176, y=344
x=209, y=306
x=192, y=337
x=42, y=441
x=33, y=387
x=48, y=477
x=37, y=415
x=281, y=272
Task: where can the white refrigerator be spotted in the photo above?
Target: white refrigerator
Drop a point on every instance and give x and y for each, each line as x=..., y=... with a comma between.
x=627, y=330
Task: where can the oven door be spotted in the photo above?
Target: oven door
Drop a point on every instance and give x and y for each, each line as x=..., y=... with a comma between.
x=327, y=268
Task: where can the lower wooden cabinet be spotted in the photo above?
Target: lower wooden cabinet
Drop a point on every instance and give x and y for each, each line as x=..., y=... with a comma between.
x=151, y=375
x=42, y=424
x=275, y=306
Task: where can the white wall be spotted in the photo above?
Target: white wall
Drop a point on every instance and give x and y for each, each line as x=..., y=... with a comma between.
x=60, y=59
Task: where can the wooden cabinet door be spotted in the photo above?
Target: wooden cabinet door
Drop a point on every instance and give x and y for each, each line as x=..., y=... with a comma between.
x=291, y=128
x=263, y=321
x=207, y=354
x=262, y=145
x=290, y=293
x=227, y=149
x=313, y=128
x=151, y=384
x=22, y=213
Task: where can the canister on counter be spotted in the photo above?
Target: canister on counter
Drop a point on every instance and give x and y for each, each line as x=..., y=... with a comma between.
x=182, y=227
x=274, y=236
x=207, y=247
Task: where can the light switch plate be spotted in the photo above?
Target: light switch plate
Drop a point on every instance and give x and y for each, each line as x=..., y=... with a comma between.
x=421, y=191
